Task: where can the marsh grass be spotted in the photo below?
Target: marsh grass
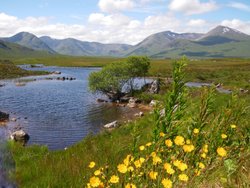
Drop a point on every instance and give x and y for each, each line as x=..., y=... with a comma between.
x=231, y=72
x=9, y=70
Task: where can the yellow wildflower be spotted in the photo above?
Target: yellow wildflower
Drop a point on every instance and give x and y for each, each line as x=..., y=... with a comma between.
x=156, y=160
x=201, y=165
x=153, y=154
x=205, y=148
x=130, y=185
x=188, y=148
x=141, y=159
x=169, y=168
x=167, y=183
x=130, y=169
x=183, y=177
x=197, y=172
x=182, y=166
x=168, y=143
x=223, y=136
x=114, y=179
x=94, y=181
x=122, y=168
x=233, y=126
x=162, y=134
x=97, y=172
x=127, y=160
x=92, y=164
x=221, y=151
x=196, y=131
x=153, y=175
x=204, y=155
x=179, y=140
x=188, y=141
x=177, y=163
x=142, y=148
x=149, y=144
x=137, y=164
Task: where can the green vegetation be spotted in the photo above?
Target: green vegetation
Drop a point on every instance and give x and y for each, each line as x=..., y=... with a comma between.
x=113, y=77
x=67, y=61
x=9, y=70
x=201, y=118
x=231, y=72
x=11, y=51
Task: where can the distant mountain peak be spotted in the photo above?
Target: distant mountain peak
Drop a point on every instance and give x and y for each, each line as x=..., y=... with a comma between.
x=29, y=40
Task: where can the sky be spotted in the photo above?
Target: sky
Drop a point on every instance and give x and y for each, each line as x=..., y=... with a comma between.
x=119, y=21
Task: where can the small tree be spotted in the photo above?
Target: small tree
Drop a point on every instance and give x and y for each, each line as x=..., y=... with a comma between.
x=136, y=67
x=113, y=77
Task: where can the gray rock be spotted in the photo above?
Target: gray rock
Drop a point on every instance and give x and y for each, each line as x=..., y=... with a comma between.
x=140, y=114
x=153, y=103
x=111, y=125
x=132, y=102
x=19, y=135
x=56, y=72
x=4, y=116
x=101, y=100
x=13, y=119
x=155, y=87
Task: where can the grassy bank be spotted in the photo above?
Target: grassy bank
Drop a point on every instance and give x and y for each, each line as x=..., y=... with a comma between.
x=9, y=70
x=230, y=72
x=212, y=114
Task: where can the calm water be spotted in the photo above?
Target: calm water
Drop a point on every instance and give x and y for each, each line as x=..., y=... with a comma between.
x=57, y=113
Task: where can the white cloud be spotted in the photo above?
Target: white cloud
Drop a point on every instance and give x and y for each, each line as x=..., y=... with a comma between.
x=112, y=28
x=240, y=6
x=190, y=7
x=111, y=6
x=240, y=25
x=109, y=20
x=196, y=23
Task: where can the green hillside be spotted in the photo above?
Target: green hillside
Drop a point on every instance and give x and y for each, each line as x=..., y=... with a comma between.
x=10, y=51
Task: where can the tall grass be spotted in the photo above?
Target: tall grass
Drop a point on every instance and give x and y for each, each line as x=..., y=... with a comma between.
x=190, y=147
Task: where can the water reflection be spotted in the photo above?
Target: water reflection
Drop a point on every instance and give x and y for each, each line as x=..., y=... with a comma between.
x=54, y=112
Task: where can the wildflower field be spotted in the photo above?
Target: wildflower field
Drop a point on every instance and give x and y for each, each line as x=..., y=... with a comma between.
x=185, y=147
x=195, y=138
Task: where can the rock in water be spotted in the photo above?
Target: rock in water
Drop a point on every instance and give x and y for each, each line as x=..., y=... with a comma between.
x=20, y=136
x=4, y=116
x=111, y=125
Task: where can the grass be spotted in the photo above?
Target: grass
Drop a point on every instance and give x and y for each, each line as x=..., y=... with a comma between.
x=232, y=72
x=9, y=70
x=211, y=113
x=68, y=61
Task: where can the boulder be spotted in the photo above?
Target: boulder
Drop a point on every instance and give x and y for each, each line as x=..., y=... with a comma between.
x=4, y=116
x=153, y=103
x=140, y=114
x=155, y=87
x=56, y=72
x=111, y=125
x=20, y=84
x=13, y=119
x=1, y=85
x=132, y=102
x=20, y=135
x=101, y=100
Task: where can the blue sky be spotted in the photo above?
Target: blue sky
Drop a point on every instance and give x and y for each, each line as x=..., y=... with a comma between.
x=119, y=21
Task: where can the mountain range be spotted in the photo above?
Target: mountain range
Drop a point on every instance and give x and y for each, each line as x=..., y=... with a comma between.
x=219, y=42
